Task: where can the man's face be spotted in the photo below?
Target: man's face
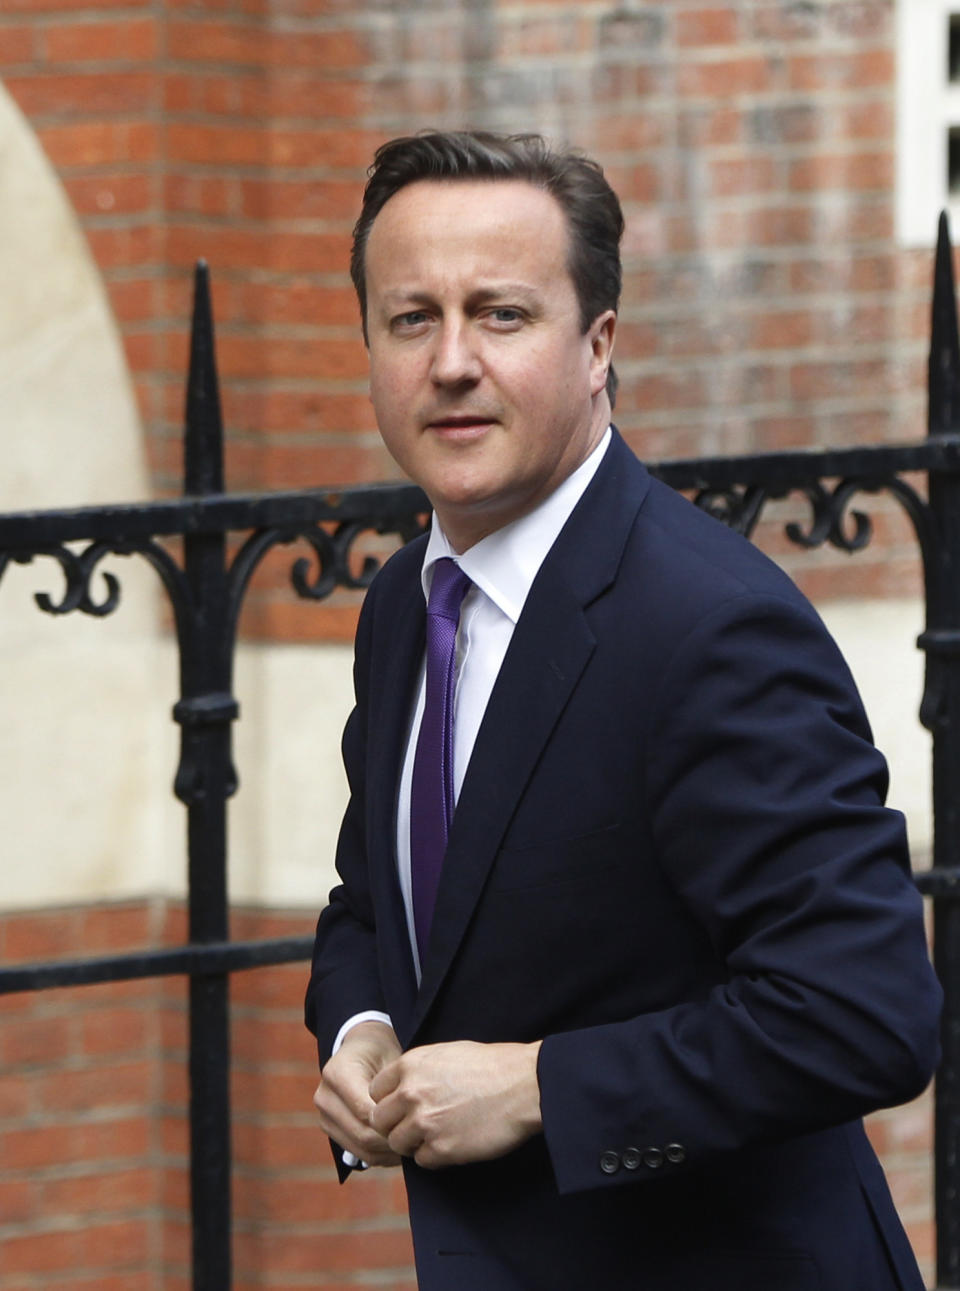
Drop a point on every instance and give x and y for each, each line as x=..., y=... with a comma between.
x=486, y=392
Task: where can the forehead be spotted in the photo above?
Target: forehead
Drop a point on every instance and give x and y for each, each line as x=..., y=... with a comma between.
x=473, y=227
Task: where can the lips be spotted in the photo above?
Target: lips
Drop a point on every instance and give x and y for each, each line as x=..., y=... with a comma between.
x=459, y=422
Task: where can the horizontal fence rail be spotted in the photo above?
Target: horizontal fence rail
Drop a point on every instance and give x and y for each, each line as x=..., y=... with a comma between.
x=206, y=593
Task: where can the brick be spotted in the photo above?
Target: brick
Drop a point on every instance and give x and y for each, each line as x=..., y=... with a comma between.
x=629, y=32
x=746, y=175
x=293, y=302
x=563, y=33
x=33, y=7
x=17, y=1203
x=317, y=199
x=125, y=246
x=201, y=195
x=372, y=1249
x=40, y=936
x=34, y=1042
x=865, y=118
x=298, y=94
x=328, y=358
x=779, y=225
x=725, y=78
x=842, y=273
x=779, y=22
x=16, y=46
x=284, y=1040
x=108, y=1245
x=175, y=1190
x=110, y=194
x=132, y=299
x=331, y=49
x=859, y=70
x=119, y=1086
x=710, y=127
x=287, y=1201
x=94, y=143
x=258, y=248
x=772, y=434
x=175, y=1088
x=223, y=41
x=114, y=1032
x=174, y=1134
x=16, y=1094
x=128, y=1280
x=337, y=148
x=45, y=1146
x=717, y=26
x=781, y=330
x=262, y=1093
x=272, y=988
x=220, y=144
x=84, y=94
x=779, y=122
x=134, y=40
x=109, y=1192
x=116, y=927
x=852, y=172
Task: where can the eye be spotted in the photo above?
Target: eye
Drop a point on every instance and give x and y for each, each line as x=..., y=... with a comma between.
x=505, y=316
x=414, y=318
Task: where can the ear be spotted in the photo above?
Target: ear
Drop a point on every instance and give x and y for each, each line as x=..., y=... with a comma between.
x=602, y=334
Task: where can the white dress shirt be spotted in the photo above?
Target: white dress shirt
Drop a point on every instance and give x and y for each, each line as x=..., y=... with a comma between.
x=502, y=567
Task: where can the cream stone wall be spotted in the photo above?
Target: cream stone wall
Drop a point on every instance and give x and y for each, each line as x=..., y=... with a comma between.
x=76, y=752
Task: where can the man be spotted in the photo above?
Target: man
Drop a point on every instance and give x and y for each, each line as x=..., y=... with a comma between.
x=619, y=1014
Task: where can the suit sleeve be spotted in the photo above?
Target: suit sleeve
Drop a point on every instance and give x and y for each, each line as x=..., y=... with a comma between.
x=764, y=794
x=345, y=978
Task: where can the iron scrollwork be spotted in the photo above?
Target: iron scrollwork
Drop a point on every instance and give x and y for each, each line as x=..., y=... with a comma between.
x=80, y=567
x=831, y=519
x=332, y=565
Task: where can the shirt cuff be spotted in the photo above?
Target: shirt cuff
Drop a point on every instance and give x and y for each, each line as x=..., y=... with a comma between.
x=371, y=1015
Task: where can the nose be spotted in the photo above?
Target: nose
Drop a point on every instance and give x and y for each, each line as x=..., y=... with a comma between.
x=456, y=361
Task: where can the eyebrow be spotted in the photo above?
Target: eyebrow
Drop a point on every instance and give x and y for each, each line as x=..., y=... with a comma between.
x=480, y=296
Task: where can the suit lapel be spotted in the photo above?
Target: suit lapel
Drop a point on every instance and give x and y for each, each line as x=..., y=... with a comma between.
x=397, y=679
x=550, y=648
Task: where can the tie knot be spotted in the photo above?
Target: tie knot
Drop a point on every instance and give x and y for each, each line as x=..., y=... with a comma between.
x=449, y=587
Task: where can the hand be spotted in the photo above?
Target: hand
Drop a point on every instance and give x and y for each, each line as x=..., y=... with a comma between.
x=343, y=1096
x=446, y=1104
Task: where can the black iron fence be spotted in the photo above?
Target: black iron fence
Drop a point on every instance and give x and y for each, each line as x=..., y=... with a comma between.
x=206, y=593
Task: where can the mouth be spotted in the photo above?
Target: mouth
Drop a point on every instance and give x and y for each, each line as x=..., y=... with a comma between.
x=460, y=425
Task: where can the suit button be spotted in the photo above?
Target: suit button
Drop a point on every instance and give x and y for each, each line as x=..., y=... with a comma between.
x=675, y=1153
x=632, y=1159
x=610, y=1162
x=653, y=1158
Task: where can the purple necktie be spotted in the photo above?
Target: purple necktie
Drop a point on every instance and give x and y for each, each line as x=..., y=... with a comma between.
x=431, y=796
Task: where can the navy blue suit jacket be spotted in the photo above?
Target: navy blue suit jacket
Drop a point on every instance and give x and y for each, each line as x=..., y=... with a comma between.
x=669, y=858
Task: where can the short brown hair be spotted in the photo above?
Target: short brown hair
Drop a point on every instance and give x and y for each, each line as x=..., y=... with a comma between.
x=590, y=205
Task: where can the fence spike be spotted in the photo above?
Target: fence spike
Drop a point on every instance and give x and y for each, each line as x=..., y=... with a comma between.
x=203, y=431
x=944, y=374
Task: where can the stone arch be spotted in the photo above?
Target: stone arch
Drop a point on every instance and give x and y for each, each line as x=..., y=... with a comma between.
x=83, y=771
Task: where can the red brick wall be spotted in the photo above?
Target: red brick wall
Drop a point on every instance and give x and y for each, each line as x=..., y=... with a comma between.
x=94, y=1192
x=93, y=1128
x=766, y=304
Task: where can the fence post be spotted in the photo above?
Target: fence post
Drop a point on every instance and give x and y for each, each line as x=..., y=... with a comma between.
x=940, y=713
x=205, y=779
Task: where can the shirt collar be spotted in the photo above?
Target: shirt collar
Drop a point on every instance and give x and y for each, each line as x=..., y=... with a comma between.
x=505, y=563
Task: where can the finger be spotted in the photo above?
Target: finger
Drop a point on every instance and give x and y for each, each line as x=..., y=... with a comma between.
x=385, y=1081
x=406, y=1139
x=339, y=1123
x=386, y=1115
